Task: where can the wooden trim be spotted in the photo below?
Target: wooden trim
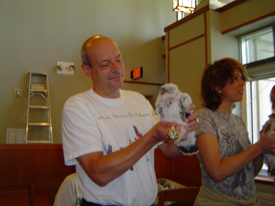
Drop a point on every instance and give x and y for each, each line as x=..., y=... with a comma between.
x=265, y=180
x=247, y=23
x=205, y=40
x=190, y=40
x=168, y=56
x=12, y=193
x=203, y=10
x=10, y=147
x=230, y=5
x=187, y=18
x=147, y=83
x=260, y=62
x=255, y=30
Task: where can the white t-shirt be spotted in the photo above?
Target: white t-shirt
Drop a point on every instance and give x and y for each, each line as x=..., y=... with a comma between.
x=91, y=123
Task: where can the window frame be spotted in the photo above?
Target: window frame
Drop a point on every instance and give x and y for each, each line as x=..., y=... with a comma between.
x=257, y=70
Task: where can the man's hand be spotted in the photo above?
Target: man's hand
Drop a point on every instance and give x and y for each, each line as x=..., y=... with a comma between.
x=162, y=130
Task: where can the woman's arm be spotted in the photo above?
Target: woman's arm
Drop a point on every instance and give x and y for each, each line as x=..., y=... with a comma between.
x=258, y=164
x=219, y=168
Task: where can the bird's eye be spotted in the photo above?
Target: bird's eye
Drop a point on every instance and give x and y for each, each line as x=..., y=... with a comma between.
x=162, y=90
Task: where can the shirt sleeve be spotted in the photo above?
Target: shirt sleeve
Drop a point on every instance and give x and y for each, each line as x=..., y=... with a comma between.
x=206, y=123
x=80, y=134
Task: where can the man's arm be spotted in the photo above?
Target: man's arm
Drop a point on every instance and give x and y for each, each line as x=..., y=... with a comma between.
x=103, y=169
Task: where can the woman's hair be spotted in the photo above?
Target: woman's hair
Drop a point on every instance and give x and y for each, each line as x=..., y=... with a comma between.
x=272, y=97
x=215, y=77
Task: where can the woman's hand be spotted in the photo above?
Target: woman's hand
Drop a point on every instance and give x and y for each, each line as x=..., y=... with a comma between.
x=192, y=121
x=267, y=142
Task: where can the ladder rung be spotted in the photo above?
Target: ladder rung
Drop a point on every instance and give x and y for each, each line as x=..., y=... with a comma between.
x=38, y=90
x=39, y=141
x=38, y=107
x=39, y=124
x=38, y=74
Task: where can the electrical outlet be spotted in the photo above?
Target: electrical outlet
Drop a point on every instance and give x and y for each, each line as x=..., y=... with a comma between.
x=65, y=68
x=17, y=92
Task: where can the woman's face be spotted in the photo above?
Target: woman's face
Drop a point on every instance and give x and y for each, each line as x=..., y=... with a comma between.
x=233, y=91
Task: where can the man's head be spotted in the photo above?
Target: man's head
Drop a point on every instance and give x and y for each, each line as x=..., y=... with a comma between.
x=102, y=62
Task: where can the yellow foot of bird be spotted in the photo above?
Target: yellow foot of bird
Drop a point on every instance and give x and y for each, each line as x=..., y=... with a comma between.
x=173, y=135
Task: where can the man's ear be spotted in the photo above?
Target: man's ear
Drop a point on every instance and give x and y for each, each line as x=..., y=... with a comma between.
x=87, y=70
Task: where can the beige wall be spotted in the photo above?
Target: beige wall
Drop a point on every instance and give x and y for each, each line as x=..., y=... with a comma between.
x=208, y=36
x=186, y=56
x=34, y=35
x=245, y=13
x=221, y=45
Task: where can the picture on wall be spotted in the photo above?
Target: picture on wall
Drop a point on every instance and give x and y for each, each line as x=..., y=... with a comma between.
x=15, y=136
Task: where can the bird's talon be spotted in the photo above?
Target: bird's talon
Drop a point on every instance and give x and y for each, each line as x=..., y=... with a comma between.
x=173, y=134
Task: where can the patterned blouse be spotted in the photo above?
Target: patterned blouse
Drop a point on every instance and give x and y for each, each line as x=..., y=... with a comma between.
x=233, y=139
x=270, y=124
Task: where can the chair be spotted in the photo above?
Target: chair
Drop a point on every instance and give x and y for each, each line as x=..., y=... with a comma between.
x=68, y=193
x=186, y=196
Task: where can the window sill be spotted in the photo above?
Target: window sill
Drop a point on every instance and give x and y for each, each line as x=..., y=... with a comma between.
x=264, y=180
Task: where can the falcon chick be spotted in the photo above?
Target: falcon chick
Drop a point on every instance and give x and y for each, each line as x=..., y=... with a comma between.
x=172, y=106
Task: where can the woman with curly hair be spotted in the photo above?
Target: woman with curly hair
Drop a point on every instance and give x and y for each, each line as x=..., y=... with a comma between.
x=228, y=161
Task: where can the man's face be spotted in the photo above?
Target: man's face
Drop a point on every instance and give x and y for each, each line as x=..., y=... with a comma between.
x=107, y=70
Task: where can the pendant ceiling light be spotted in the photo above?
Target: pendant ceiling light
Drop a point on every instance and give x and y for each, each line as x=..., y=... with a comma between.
x=186, y=6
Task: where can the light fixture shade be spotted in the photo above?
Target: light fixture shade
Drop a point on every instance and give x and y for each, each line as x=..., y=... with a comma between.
x=186, y=6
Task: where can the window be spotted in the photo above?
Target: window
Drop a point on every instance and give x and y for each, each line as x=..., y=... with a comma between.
x=258, y=105
x=257, y=50
x=257, y=46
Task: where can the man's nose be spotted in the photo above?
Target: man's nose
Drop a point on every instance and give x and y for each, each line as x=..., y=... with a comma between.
x=115, y=66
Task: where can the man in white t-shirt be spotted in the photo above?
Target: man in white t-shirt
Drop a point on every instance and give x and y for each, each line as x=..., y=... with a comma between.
x=110, y=134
